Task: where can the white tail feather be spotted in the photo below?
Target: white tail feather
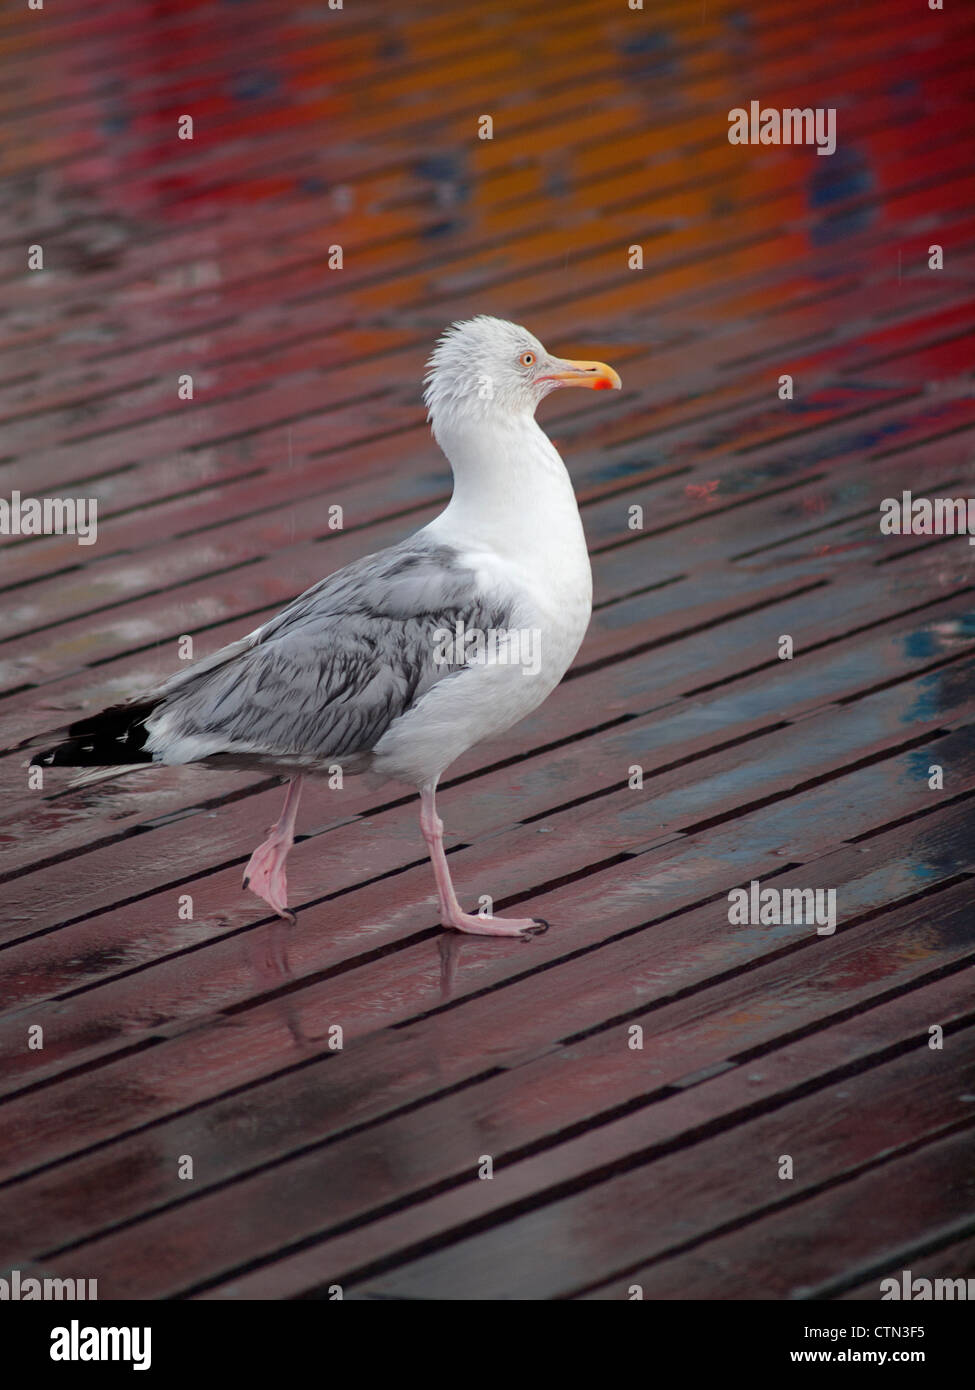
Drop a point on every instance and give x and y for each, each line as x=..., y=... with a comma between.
x=106, y=774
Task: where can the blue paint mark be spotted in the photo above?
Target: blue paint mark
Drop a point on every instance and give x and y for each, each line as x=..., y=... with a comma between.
x=622, y=469
x=441, y=229
x=392, y=46
x=928, y=705
x=556, y=182
x=941, y=691
x=651, y=42
x=835, y=179
x=248, y=86
x=447, y=171
x=837, y=187
x=851, y=384
x=859, y=441
x=650, y=55
x=836, y=228
x=439, y=167
x=920, y=644
x=918, y=763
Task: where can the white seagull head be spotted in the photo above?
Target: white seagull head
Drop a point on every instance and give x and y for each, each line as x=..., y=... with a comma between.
x=486, y=367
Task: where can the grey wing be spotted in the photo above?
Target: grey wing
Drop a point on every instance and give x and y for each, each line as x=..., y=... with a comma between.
x=326, y=677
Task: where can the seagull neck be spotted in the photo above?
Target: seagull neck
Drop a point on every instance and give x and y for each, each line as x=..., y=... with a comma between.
x=509, y=483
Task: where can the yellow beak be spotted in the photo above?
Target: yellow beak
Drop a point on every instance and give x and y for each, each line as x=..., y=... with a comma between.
x=596, y=375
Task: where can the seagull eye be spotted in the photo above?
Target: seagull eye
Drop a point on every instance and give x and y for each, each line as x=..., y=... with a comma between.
x=527, y=359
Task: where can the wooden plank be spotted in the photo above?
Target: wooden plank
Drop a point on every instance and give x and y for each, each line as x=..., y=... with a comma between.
x=175, y=1257
x=782, y=1256
x=735, y=647
x=571, y=1244
x=242, y=306
x=372, y=240
x=726, y=782
x=35, y=828
x=955, y=1259
x=524, y=1103
x=114, y=582
x=239, y=1048
x=271, y=582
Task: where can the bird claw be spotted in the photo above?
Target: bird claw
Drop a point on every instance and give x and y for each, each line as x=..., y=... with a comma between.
x=520, y=929
x=539, y=929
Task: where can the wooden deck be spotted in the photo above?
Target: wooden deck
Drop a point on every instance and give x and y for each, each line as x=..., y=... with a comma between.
x=171, y=1031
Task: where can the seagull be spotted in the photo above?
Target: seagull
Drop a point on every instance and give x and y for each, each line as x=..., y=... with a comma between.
x=397, y=664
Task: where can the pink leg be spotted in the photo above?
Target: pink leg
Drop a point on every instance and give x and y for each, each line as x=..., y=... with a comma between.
x=451, y=913
x=265, y=874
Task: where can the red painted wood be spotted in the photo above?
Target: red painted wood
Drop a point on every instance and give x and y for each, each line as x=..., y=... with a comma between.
x=744, y=1087
x=181, y=1253
x=784, y=1255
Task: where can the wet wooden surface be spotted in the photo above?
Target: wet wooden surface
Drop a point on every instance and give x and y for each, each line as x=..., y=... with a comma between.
x=165, y=1037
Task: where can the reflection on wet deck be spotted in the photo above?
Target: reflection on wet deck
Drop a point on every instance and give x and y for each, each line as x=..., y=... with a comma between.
x=211, y=1032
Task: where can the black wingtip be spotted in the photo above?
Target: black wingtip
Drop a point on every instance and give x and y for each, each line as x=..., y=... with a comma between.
x=115, y=737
